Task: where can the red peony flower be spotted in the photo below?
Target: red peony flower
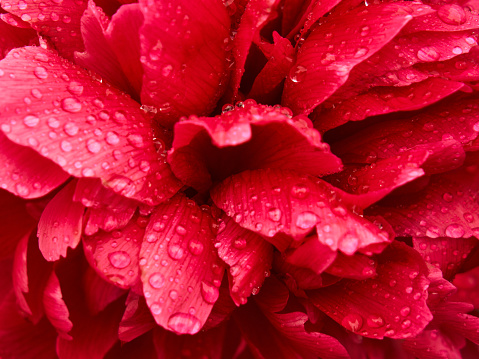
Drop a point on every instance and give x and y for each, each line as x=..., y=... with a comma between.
x=237, y=179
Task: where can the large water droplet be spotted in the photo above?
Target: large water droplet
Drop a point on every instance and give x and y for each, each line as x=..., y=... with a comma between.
x=119, y=259
x=405, y=311
x=71, y=104
x=175, y=251
x=112, y=138
x=183, y=323
x=75, y=88
x=93, y=146
x=455, y=230
x=299, y=191
x=452, y=14
x=298, y=73
x=195, y=247
x=375, y=321
x=209, y=292
x=306, y=220
x=274, y=214
x=428, y=54
x=348, y=244
x=31, y=121
x=157, y=280
x=352, y=322
x=41, y=72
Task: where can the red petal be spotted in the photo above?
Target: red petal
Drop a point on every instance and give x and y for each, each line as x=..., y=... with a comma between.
x=242, y=139
x=185, y=46
x=55, y=307
x=60, y=225
x=12, y=36
x=395, y=308
x=62, y=121
x=59, y=23
x=467, y=285
x=452, y=317
x=432, y=344
x=137, y=318
x=313, y=79
x=98, y=56
x=222, y=308
x=448, y=200
x=248, y=255
x=20, y=338
x=123, y=37
x=115, y=255
x=15, y=222
x=312, y=254
x=256, y=15
x=383, y=100
x=357, y=267
x=30, y=274
x=180, y=269
x=24, y=172
x=445, y=253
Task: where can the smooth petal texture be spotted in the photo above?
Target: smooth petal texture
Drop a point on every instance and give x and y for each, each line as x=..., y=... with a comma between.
x=20, y=338
x=449, y=200
x=114, y=255
x=432, y=344
x=98, y=55
x=357, y=267
x=11, y=36
x=245, y=135
x=467, y=285
x=60, y=225
x=123, y=37
x=184, y=57
x=256, y=15
x=454, y=319
x=15, y=223
x=311, y=254
x=55, y=308
x=24, y=172
x=383, y=100
x=247, y=254
x=447, y=254
x=395, y=308
x=180, y=269
x=61, y=24
x=88, y=128
x=137, y=318
x=323, y=66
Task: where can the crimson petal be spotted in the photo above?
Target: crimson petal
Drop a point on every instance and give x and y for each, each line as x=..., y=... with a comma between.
x=180, y=269
x=59, y=23
x=137, y=318
x=12, y=36
x=432, y=344
x=248, y=255
x=55, y=308
x=395, y=308
x=319, y=77
x=60, y=225
x=63, y=119
x=467, y=285
x=183, y=56
x=115, y=255
x=357, y=266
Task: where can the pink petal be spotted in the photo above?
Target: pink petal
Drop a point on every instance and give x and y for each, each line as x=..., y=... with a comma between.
x=24, y=172
x=256, y=15
x=383, y=100
x=357, y=266
x=185, y=46
x=447, y=254
x=12, y=36
x=122, y=35
x=137, y=318
x=432, y=344
x=312, y=254
x=222, y=309
x=98, y=55
x=55, y=308
x=60, y=225
x=30, y=274
x=15, y=222
x=449, y=201
x=267, y=85
x=467, y=285
x=20, y=338
x=396, y=305
x=453, y=319
x=296, y=204
x=99, y=293
x=180, y=269
x=313, y=79
x=62, y=125
x=248, y=255
x=61, y=24
x=244, y=133
x=114, y=255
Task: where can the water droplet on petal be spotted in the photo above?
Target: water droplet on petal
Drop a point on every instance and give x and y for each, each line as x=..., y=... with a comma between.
x=452, y=14
x=71, y=104
x=155, y=308
x=175, y=251
x=181, y=230
x=375, y=321
x=298, y=73
x=209, y=292
x=299, y=191
x=406, y=324
x=352, y=322
x=112, y=138
x=239, y=243
x=157, y=280
x=306, y=220
x=195, y=247
x=40, y=72
x=274, y=214
x=93, y=146
x=405, y=311
x=31, y=121
x=348, y=244
x=184, y=323
x=75, y=88
x=119, y=259
x=428, y=54
x=455, y=231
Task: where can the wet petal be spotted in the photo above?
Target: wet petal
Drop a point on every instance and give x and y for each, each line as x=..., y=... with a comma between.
x=432, y=344
x=393, y=304
x=137, y=318
x=180, y=269
x=183, y=56
x=87, y=127
x=248, y=255
x=467, y=285
x=357, y=266
x=60, y=225
x=12, y=36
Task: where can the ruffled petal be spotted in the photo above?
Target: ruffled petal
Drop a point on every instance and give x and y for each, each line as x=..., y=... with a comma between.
x=393, y=304
x=60, y=225
x=61, y=24
x=87, y=127
x=248, y=255
x=180, y=269
x=137, y=318
x=183, y=56
x=211, y=148
x=55, y=308
x=114, y=255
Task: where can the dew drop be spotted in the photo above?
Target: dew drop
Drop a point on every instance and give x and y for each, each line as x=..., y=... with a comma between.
x=352, y=322
x=428, y=54
x=93, y=146
x=195, y=247
x=375, y=321
x=274, y=214
x=75, y=88
x=455, y=230
x=452, y=14
x=173, y=294
x=112, y=138
x=71, y=104
x=239, y=243
x=136, y=141
x=209, y=292
x=151, y=237
x=306, y=220
x=348, y=244
x=360, y=52
x=457, y=50
x=405, y=311
x=184, y=323
x=40, y=72
x=175, y=251
x=66, y=146
x=181, y=230
x=22, y=190
x=119, y=259
x=406, y=324
x=299, y=191
x=155, y=308
x=31, y=121
x=298, y=73
x=157, y=280
x=71, y=129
